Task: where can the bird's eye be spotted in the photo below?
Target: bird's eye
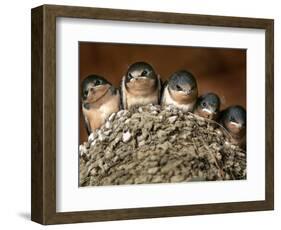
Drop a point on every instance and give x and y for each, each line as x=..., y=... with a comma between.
x=204, y=104
x=86, y=93
x=178, y=87
x=98, y=82
x=130, y=76
x=144, y=73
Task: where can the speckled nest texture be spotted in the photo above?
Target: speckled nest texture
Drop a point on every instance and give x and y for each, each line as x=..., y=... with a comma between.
x=159, y=145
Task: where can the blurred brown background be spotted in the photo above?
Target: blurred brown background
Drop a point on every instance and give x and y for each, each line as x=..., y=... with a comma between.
x=218, y=70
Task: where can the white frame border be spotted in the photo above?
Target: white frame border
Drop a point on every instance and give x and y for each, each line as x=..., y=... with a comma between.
x=72, y=198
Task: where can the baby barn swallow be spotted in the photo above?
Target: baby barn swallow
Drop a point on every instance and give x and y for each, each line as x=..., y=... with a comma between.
x=140, y=86
x=99, y=100
x=181, y=91
x=208, y=106
x=233, y=120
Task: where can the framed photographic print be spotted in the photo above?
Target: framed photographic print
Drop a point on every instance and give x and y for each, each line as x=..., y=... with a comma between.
x=140, y=114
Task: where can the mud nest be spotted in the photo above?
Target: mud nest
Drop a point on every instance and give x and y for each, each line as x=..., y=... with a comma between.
x=159, y=145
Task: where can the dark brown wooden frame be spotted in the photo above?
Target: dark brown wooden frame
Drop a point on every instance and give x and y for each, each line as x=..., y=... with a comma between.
x=43, y=189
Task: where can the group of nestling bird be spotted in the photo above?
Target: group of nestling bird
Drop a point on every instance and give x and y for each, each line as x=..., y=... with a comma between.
x=141, y=85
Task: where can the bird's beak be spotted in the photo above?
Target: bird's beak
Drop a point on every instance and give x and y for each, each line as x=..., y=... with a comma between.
x=185, y=92
x=139, y=78
x=208, y=111
x=188, y=91
x=237, y=125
